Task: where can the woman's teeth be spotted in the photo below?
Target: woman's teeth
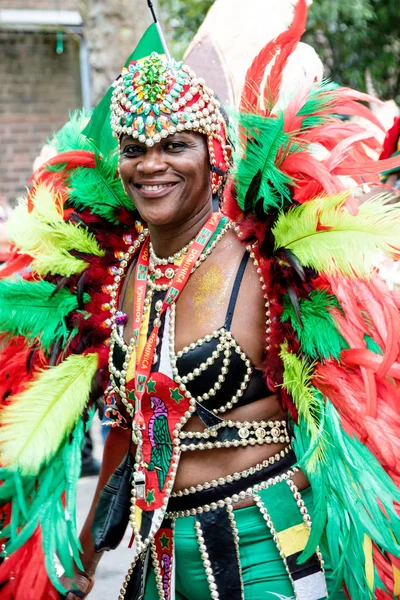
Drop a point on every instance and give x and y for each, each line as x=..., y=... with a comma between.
x=156, y=187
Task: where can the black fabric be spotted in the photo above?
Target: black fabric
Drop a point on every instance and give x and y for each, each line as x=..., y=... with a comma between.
x=209, y=418
x=207, y=496
x=235, y=291
x=111, y=516
x=219, y=541
x=309, y=567
x=136, y=585
x=145, y=526
x=153, y=313
x=256, y=388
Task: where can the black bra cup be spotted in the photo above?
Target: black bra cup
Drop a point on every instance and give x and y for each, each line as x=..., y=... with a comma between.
x=256, y=388
x=237, y=369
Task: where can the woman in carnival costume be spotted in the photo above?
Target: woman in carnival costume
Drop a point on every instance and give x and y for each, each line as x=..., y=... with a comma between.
x=247, y=352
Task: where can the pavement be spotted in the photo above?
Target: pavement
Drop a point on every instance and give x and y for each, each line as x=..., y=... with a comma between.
x=113, y=565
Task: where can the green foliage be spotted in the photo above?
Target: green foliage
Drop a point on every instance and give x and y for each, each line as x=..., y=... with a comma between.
x=351, y=36
x=181, y=20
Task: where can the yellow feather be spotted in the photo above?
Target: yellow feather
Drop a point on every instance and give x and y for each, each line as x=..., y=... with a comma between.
x=36, y=422
x=297, y=376
x=44, y=235
x=325, y=236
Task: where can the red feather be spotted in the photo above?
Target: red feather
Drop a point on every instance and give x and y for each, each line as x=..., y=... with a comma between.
x=286, y=42
x=24, y=575
x=71, y=159
x=15, y=265
x=391, y=142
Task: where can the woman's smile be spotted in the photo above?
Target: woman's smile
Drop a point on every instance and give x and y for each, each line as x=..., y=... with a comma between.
x=155, y=189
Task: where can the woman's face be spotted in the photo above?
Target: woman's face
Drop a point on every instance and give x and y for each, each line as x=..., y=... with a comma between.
x=169, y=182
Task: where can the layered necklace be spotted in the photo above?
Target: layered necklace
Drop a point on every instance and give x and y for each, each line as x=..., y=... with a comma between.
x=159, y=276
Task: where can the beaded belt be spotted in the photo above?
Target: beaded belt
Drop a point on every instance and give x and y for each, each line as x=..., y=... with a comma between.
x=227, y=434
x=186, y=502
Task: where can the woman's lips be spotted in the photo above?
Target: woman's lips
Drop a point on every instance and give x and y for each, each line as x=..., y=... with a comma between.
x=156, y=190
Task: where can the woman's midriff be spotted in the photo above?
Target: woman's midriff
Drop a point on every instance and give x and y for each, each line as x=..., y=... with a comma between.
x=199, y=466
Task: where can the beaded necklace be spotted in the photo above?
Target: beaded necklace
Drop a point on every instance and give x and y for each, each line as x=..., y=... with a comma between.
x=119, y=319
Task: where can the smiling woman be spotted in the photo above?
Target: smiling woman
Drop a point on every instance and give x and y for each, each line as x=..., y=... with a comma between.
x=228, y=310
x=169, y=183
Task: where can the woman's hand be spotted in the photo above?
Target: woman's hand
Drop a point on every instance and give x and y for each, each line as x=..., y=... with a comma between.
x=82, y=583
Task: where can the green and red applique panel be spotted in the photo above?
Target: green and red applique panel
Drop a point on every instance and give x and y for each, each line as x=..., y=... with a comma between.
x=163, y=406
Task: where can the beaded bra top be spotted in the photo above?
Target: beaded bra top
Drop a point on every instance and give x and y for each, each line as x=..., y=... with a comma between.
x=214, y=369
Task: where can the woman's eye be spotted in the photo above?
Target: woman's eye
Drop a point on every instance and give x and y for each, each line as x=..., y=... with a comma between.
x=175, y=146
x=132, y=149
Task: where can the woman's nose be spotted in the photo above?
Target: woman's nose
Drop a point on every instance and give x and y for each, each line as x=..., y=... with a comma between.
x=152, y=161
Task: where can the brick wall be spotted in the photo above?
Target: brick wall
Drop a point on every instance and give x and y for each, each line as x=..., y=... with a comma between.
x=38, y=90
x=43, y=4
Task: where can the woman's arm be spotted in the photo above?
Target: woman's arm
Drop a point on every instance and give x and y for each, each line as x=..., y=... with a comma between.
x=115, y=449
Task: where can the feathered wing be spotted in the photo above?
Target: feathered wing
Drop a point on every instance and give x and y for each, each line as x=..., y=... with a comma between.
x=54, y=327
x=334, y=351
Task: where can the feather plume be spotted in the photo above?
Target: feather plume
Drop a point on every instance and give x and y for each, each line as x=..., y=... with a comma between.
x=70, y=136
x=43, y=234
x=35, y=423
x=353, y=497
x=326, y=237
x=100, y=190
x=278, y=49
x=297, y=377
x=43, y=521
x=317, y=331
x=14, y=265
x=33, y=310
x=287, y=42
x=264, y=141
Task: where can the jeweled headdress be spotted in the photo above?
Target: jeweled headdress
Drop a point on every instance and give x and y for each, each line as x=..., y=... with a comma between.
x=155, y=98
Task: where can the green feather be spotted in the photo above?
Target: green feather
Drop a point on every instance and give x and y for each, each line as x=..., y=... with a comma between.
x=43, y=498
x=36, y=422
x=372, y=345
x=69, y=137
x=264, y=139
x=35, y=311
x=320, y=102
x=326, y=237
x=99, y=190
x=317, y=334
x=346, y=490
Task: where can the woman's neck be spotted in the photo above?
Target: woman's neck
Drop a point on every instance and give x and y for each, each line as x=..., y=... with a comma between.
x=168, y=239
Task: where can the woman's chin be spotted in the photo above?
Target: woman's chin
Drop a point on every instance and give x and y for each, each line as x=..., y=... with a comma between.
x=159, y=213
